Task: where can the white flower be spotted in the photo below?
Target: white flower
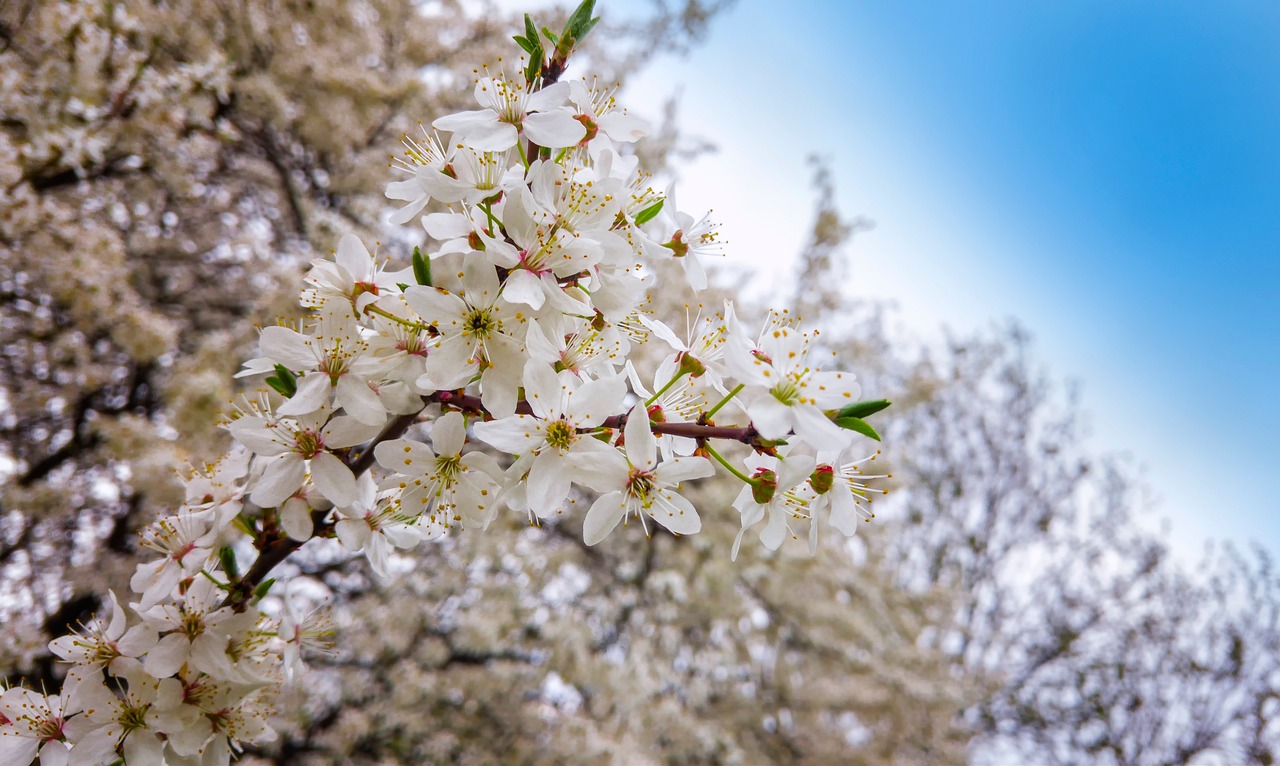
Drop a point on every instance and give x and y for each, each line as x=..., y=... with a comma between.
x=216, y=489
x=309, y=631
x=511, y=111
x=196, y=631
x=430, y=163
x=31, y=724
x=583, y=349
x=443, y=484
x=686, y=240
x=784, y=392
x=598, y=112
x=375, y=526
x=186, y=542
x=333, y=364
x=772, y=494
x=680, y=402
x=108, y=645
x=353, y=277
x=638, y=485
x=558, y=432
x=479, y=333
x=292, y=445
x=133, y=723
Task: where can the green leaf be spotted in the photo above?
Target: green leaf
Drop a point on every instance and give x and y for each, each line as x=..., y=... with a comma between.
x=227, y=558
x=284, y=381
x=859, y=425
x=527, y=46
x=264, y=586
x=530, y=29
x=550, y=36
x=582, y=32
x=649, y=213
x=402, y=286
x=421, y=268
x=863, y=409
x=580, y=21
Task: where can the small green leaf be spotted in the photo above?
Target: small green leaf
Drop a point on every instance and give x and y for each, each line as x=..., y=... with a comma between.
x=525, y=45
x=864, y=409
x=421, y=268
x=580, y=21
x=649, y=213
x=530, y=29
x=227, y=558
x=284, y=381
x=264, y=586
x=859, y=425
x=551, y=36
x=402, y=286
x=581, y=33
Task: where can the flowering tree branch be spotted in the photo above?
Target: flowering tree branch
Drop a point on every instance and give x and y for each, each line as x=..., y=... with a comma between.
x=530, y=350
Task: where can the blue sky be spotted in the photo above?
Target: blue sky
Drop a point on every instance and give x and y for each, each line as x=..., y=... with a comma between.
x=1107, y=173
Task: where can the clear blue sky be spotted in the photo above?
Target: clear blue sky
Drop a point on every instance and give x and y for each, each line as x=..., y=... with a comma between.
x=1109, y=173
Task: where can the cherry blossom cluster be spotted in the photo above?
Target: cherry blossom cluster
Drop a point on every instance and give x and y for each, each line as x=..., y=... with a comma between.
x=524, y=346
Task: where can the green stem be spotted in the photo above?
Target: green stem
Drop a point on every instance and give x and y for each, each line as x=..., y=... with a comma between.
x=493, y=221
x=723, y=402
x=664, y=389
x=418, y=326
x=720, y=459
x=523, y=157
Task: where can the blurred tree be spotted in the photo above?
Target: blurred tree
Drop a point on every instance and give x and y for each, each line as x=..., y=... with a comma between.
x=166, y=171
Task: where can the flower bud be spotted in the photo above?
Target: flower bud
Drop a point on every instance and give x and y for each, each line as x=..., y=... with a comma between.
x=763, y=485
x=691, y=366
x=822, y=479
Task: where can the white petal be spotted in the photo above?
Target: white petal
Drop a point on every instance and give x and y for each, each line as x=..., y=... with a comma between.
x=352, y=533
x=333, y=479
x=514, y=435
x=282, y=478
x=602, y=517
x=137, y=640
x=554, y=129
x=168, y=656
x=676, y=513
x=524, y=287
x=549, y=482
x=449, y=434
x=680, y=469
x=345, y=431
x=312, y=394
x=596, y=400
x=642, y=446
x=543, y=389
x=288, y=347
x=360, y=402
x=295, y=518
x=771, y=417
x=775, y=531
x=353, y=256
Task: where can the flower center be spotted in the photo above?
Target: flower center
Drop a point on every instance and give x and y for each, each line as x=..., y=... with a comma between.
x=448, y=466
x=639, y=483
x=560, y=434
x=50, y=729
x=481, y=323
x=308, y=444
x=133, y=718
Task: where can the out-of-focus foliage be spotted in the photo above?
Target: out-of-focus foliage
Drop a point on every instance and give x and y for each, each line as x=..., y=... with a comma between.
x=166, y=170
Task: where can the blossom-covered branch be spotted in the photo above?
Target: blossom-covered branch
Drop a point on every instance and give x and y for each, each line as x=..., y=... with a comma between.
x=523, y=343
